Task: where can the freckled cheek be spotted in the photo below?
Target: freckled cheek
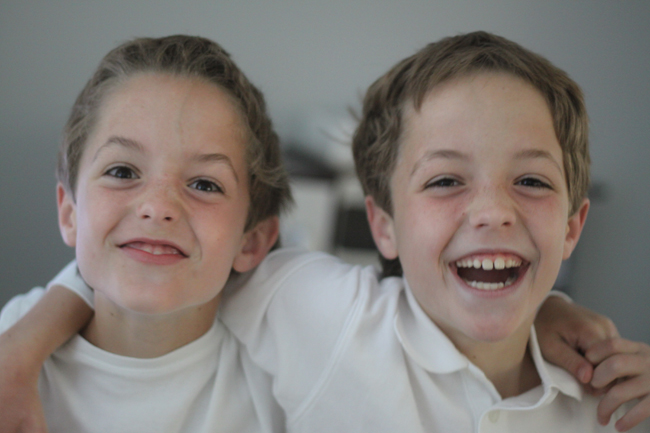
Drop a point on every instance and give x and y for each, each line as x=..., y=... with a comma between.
x=429, y=228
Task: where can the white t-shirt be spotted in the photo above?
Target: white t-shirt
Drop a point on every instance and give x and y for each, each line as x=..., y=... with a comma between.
x=349, y=353
x=200, y=387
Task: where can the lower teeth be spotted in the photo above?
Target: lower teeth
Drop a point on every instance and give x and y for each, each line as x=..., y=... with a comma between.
x=491, y=286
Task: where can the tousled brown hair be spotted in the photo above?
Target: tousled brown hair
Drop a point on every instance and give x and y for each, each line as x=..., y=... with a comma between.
x=376, y=141
x=191, y=57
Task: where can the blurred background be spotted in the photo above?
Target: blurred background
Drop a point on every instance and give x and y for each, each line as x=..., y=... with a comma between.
x=313, y=60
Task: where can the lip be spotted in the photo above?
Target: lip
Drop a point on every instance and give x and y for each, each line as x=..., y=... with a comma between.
x=489, y=253
x=146, y=257
x=495, y=293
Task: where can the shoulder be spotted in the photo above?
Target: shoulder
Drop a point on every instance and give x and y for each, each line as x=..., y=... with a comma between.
x=18, y=306
x=294, y=279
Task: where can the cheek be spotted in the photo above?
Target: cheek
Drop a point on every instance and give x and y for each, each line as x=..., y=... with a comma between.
x=98, y=213
x=218, y=229
x=427, y=226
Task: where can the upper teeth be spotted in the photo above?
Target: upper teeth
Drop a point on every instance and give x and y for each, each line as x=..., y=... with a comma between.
x=489, y=264
x=156, y=250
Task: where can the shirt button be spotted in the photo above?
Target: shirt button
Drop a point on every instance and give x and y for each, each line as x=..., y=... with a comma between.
x=493, y=416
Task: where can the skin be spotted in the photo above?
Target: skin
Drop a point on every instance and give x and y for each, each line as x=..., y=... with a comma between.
x=158, y=220
x=562, y=327
x=480, y=175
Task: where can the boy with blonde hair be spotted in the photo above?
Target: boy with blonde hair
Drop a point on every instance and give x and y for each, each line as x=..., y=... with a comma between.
x=170, y=180
x=473, y=155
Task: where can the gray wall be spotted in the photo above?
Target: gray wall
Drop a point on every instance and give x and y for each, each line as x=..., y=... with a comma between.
x=323, y=54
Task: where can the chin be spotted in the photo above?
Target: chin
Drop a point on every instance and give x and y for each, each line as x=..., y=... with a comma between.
x=492, y=330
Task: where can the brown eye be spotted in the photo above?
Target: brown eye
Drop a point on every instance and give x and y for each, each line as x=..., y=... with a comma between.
x=533, y=182
x=122, y=172
x=444, y=182
x=205, y=186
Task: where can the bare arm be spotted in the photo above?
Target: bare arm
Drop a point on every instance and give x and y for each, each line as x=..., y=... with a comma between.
x=24, y=347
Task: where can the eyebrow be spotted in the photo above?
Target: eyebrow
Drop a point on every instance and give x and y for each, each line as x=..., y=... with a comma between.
x=122, y=141
x=454, y=154
x=537, y=153
x=216, y=157
x=439, y=154
x=138, y=147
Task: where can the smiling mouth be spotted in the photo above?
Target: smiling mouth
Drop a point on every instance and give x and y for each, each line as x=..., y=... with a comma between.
x=154, y=249
x=490, y=273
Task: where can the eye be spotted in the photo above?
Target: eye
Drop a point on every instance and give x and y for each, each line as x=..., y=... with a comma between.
x=122, y=172
x=533, y=182
x=442, y=182
x=205, y=186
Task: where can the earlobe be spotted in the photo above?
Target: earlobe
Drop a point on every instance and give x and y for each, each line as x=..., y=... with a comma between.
x=382, y=229
x=256, y=244
x=574, y=228
x=67, y=215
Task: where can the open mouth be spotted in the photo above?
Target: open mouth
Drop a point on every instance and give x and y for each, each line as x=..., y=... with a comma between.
x=491, y=272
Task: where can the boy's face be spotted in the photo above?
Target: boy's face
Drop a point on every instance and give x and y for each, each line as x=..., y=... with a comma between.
x=162, y=196
x=479, y=180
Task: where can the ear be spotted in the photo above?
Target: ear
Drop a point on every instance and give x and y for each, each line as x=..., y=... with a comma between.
x=574, y=228
x=67, y=215
x=382, y=229
x=256, y=244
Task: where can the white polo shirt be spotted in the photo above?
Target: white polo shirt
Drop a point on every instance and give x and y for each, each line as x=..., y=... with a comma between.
x=349, y=353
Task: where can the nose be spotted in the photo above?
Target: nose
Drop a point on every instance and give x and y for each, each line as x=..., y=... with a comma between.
x=159, y=203
x=492, y=207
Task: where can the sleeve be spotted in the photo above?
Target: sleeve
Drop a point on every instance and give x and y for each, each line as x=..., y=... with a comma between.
x=70, y=279
x=18, y=306
x=291, y=315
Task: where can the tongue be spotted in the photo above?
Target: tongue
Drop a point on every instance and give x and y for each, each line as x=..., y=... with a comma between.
x=493, y=276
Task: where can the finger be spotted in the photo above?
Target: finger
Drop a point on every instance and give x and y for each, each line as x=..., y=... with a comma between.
x=559, y=352
x=634, y=416
x=596, y=392
x=602, y=350
x=619, y=394
x=618, y=367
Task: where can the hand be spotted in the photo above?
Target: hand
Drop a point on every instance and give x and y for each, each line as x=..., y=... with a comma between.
x=623, y=373
x=20, y=404
x=566, y=330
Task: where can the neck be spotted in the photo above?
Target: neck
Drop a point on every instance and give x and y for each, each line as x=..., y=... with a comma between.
x=508, y=363
x=141, y=335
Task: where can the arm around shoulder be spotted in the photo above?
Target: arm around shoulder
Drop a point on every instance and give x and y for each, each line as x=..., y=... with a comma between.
x=26, y=344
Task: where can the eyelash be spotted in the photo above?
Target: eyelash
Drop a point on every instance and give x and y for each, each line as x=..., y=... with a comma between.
x=444, y=182
x=214, y=188
x=113, y=172
x=533, y=182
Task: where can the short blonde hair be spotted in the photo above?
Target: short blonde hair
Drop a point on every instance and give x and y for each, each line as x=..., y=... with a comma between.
x=376, y=141
x=193, y=57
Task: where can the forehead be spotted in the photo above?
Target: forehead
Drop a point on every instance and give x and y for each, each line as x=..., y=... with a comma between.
x=155, y=108
x=150, y=96
x=486, y=110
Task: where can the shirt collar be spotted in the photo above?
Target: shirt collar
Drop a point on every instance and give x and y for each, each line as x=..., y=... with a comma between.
x=430, y=348
x=422, y=340
x=553, y=377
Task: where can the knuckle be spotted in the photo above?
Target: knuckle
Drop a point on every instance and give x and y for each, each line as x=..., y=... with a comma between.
x=615, y=395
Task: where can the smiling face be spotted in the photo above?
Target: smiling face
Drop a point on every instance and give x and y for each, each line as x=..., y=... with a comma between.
x=480, y=219
x=162, y=196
